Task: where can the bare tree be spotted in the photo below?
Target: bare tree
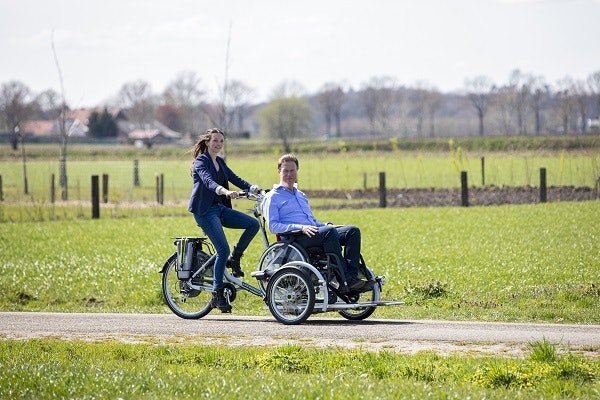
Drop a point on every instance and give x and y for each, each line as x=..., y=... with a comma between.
x=479, y=92
x=539, y=92
x=594, y=84
x=520, y=85
x=239, y=97
x=15, y=107
x=137, y=97
x=380, y=99
x=330, y=98
x=185, y=94
x=64, y=134
x=426, y=101
x=566, y=102
x=580, y=97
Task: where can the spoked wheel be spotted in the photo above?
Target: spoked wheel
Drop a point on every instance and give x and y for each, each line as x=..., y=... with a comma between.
x=361, y=313
x=290, y=296
x=372, y=295
x=181, y=297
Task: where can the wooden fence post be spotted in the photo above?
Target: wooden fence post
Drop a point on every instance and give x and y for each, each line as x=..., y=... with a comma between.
x=382, y=191
x=543, y=190
x=95, y=197
x=482, y=171
x=160, y=188
x=1, y=192
x=136, y=173
x=105, y=188
x=464, y=189
x=52, y=189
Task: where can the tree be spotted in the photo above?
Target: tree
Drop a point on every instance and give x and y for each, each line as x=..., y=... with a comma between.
x=15, y=107
x=380, y=98
x=594, y=84
x=64, y=134
x=566, y=102
x=238, y=103
x=426, y=101
x=102, y=125
x=479, y=92
x=285, y=118
x=184, y=93
x=539, y=92
x=137, y=97
x=330, y=98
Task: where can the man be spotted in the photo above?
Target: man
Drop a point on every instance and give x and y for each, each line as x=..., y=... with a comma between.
x=286, y=209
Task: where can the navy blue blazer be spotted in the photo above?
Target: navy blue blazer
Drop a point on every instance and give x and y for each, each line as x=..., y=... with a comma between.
x=205, y=178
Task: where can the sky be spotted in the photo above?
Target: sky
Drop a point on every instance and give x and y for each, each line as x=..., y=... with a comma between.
x=102, y=45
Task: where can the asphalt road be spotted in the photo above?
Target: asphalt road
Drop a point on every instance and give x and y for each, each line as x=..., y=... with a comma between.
x=445, y=337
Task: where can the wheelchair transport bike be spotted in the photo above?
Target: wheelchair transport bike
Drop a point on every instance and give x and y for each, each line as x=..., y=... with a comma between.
x=293, y=281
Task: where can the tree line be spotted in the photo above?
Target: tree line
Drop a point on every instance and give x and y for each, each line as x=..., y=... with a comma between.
x=382, y=107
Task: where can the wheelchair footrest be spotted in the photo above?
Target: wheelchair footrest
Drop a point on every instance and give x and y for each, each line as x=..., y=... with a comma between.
x=262, y=275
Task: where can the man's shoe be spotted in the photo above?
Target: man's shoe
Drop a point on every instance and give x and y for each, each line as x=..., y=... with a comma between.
x=233, y=262
x=219, y=301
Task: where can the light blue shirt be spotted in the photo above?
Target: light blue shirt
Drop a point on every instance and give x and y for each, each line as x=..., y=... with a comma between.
x=285, y=211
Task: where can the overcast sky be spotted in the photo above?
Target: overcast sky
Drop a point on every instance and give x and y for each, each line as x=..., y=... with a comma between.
x=103, y=44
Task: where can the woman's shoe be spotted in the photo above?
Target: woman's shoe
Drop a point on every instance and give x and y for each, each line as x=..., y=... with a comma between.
x=219, y=301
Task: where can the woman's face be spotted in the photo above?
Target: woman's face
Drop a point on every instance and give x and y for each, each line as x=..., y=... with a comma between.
x=216, y=142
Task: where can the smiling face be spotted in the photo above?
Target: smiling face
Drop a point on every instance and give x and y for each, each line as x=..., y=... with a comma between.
x=288, y=174
x=215, y=144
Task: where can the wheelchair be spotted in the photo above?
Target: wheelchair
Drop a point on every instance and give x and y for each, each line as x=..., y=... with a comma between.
x=326, y=278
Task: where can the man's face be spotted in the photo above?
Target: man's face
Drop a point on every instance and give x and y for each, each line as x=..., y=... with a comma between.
x=288, y=174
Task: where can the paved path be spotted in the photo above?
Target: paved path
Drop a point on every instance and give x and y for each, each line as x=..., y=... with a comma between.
x=446, y=337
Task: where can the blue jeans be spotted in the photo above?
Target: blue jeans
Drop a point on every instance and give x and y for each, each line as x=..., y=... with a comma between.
x=212, y=223
x=332, y=239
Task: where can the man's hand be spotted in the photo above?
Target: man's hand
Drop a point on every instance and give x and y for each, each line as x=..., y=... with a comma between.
x=309, y=230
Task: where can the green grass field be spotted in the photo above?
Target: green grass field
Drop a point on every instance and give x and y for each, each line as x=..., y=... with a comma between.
x=525, y=263
x=537, y=263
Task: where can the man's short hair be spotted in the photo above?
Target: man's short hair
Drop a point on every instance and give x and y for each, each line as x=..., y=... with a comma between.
x=287, y=158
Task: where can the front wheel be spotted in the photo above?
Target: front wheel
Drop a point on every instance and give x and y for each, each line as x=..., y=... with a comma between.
x=187, y=299
x=290, y=296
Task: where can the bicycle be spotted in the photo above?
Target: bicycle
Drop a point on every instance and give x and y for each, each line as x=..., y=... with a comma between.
x=293, y=281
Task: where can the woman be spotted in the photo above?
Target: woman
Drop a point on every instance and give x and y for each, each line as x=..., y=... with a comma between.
x=210, y=203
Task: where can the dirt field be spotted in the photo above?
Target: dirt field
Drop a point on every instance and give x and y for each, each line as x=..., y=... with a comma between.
x=488, y=196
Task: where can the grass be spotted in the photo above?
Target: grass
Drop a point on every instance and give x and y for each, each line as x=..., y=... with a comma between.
x=343, y=171
x=535, y=263
x=77, y=369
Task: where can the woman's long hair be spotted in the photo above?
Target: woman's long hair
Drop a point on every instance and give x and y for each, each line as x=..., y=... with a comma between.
x=201, y=146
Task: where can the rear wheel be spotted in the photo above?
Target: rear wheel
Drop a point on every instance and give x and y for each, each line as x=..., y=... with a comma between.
x=290, y=296
x=189, y=299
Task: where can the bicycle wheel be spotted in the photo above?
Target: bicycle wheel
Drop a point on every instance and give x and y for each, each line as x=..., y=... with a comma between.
x=276, y=255
x=290, y=296
x=188, y=299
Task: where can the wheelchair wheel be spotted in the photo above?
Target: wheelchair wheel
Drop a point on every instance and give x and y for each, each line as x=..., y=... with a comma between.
x=278, y=254
x=290, y=296
x=373, y=295
x=363, y=312
x=185, y=301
